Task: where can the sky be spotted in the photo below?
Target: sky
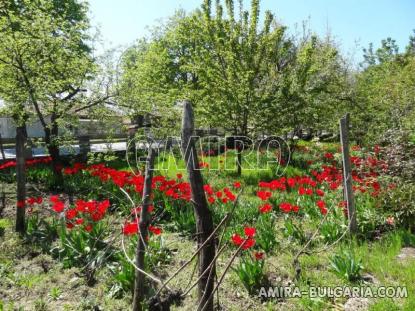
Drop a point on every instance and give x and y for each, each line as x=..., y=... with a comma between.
x=353, y=23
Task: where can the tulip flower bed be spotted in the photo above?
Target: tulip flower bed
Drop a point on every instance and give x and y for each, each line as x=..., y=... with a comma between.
x=37, y=170
x=29, y=162
x=92, y=226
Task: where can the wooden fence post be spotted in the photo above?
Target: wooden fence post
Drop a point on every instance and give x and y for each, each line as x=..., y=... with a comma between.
x=204, y=220
x=21, y=136
x=84, y=147
x=28, y=149
x=3, y=202
x=238, y=147
x=139, y=286
x=347, y=173
x=131, y=147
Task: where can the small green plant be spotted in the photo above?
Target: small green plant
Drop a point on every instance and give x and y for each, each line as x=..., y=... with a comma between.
x=330, y=231
x=3, y=226
x=346, y=265
x=250, y=271
x=266, y=236
x=40, y=305
x=40, y=231
x=124, y=273
x=294, y=232
x=100, y=157
x=182, y=216
x=55, y=293
x=5, y=270
x=84, y=247
x=28, y=281
x=368, y=217
x=157, y=254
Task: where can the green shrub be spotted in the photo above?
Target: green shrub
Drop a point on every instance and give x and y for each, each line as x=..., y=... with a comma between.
x=398, y=153
x=369, y=217
x=408, y=239
x=41, y=174
x=346, y=265
x=400, y=202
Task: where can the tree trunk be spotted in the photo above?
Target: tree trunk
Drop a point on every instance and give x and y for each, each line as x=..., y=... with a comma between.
x=139, y=288
x=3, y=202
x=347, y=174
x=51, y=135
x=239, y=158
x=204, y=220
x=238, y=145
x=2, y=148
x=21, y=137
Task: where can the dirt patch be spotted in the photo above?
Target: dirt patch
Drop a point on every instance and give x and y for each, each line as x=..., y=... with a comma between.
x=357, y=304
x=407, y=253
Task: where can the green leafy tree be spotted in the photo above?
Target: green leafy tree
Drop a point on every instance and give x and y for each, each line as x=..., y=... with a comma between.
x=45, y=53
x=242, y=76
x=239, y=66
x=152, y=82
x=385, y=90
x=316, y=89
